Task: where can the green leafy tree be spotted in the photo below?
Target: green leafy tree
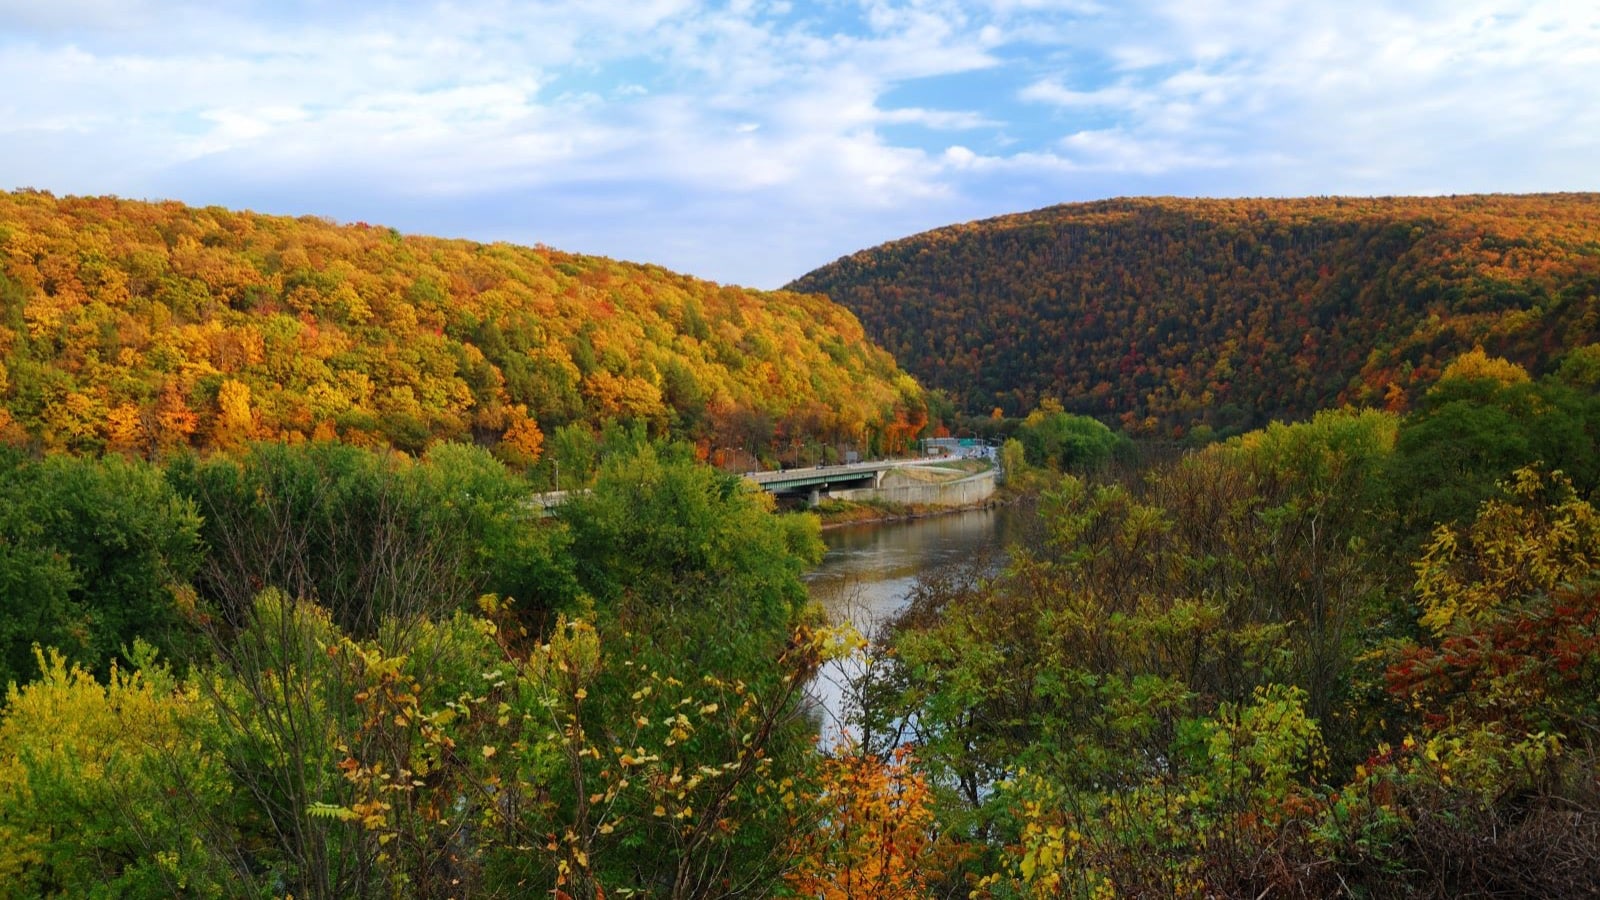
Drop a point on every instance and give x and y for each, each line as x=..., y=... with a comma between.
x=1483, y=420
x=1055, y=438
x=696, y=587
x=36, y=606
x=690, y=556
x=572, y=456
x=110, y=789
x=94, y=553
x=368, y=535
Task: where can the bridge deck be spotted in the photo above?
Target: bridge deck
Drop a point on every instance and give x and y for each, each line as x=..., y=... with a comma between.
x=778, y=482
x=792, y=479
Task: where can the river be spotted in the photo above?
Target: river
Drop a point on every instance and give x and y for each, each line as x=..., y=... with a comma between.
x=869, y=571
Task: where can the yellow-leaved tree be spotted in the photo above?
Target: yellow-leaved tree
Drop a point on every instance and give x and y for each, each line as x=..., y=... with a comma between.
x=1537, y=536
x=235, y=422
x=1476, y=364
x=130, y=761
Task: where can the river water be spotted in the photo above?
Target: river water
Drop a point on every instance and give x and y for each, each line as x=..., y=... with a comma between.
x=870, y=570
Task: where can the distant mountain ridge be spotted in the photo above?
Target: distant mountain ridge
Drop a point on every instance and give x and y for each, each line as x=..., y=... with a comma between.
x=1168, y=313
x=143, y=328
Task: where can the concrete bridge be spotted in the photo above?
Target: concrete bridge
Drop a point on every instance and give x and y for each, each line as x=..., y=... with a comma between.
x=850, y=480
x=813, y=483
x=808, y=483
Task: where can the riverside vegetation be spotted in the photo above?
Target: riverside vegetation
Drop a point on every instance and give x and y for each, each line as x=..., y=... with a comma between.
x=1355, y=654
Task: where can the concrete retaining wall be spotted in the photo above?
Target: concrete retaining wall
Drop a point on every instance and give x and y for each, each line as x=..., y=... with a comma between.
x=966, y=492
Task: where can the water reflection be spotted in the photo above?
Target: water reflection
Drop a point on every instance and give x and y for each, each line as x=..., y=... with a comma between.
x=868, y=573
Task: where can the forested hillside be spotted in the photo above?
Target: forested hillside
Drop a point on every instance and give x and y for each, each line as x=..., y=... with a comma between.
x=1164, y=314
x=146, y=327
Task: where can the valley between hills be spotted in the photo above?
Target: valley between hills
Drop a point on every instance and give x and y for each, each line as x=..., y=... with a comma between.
x=1305, y=603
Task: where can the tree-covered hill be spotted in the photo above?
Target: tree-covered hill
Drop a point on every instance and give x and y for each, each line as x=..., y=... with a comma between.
x=1168, y=313
x=143, y=327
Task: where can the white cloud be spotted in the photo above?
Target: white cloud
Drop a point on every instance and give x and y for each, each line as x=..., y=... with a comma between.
x=942, y=119
x=1357, y=95
x=1053, y=92
x=789, y=119
x=1116, y=150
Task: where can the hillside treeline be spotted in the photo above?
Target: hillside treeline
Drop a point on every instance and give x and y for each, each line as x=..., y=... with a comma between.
x=144, y=328
x=1160, y=315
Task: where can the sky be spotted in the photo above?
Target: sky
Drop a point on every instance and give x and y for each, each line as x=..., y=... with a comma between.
x=750, y=141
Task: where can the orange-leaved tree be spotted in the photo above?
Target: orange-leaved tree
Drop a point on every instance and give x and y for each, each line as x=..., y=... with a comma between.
x=875, y=835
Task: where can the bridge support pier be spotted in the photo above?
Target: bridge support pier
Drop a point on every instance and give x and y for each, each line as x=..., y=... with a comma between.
x=813, y=498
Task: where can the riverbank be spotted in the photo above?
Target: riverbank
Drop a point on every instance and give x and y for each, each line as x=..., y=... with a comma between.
x=841, y=513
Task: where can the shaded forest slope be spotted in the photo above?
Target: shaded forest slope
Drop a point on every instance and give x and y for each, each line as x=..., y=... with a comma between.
x=143, y=327
x=1168, y=313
